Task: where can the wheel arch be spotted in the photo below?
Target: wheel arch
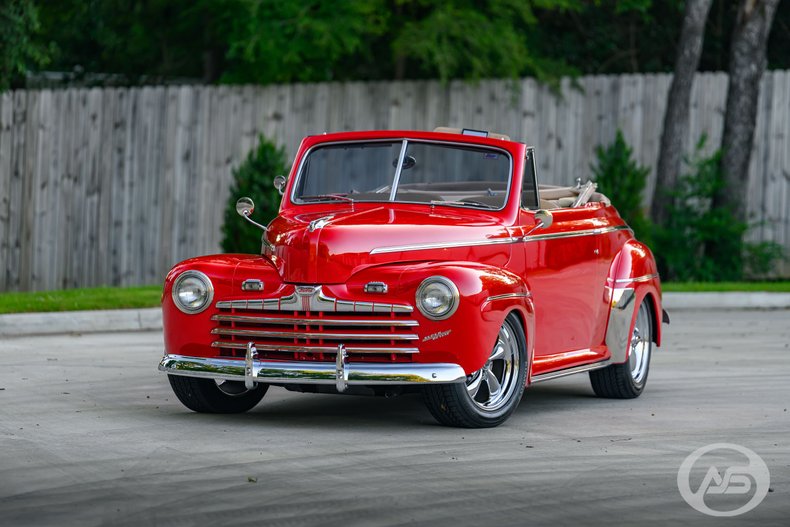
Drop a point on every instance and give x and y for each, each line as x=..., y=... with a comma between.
x=633, y=278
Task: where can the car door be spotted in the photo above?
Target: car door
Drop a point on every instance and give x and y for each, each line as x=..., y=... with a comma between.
x=566, y=272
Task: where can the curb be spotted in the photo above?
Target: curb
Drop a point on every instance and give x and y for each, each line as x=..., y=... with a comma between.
x=25, y=324
x=728, y=300
x=28, y=324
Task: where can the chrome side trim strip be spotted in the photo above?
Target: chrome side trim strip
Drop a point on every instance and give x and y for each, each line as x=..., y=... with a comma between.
x=575, y=234
x=274, y=372
x=245, y=319
x=312, y=335
x=643, y=278
x=569, y=371
x=497, y=241
x=443, y=245
x=306, y=348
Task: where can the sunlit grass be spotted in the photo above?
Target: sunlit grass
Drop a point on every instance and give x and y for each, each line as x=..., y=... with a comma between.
x=698, y=287
x=81, y=299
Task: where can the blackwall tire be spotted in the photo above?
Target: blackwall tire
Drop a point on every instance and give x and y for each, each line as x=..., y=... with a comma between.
x=209, y=396
x=490, y=395
x=628, y=380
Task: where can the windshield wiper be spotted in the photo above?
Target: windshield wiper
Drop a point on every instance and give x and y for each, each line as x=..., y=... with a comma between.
x=475, y=204
x=322, y=197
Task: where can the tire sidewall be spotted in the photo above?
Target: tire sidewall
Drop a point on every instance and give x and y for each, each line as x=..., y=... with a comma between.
x=498, y=416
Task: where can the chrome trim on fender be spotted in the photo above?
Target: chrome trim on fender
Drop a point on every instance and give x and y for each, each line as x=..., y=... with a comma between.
x=312, y=298
x=276, y=372
x=643, y=278
x=507, y=295
x=569, y=371
x=305, y=348
x=618, y=331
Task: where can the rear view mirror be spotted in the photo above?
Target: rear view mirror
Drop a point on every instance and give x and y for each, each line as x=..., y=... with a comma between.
x=245, y=207
x=279, y=184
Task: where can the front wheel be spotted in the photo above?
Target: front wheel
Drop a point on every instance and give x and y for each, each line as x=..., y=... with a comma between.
x=492, y=393
x=627, y=380
x=216, y=397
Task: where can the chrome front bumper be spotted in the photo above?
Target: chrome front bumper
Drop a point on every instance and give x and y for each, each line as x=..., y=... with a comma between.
x=340, y=373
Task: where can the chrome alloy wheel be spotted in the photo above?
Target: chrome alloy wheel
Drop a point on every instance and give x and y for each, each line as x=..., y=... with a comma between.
x=492, y=386
x=641, y=344
x=232, y=388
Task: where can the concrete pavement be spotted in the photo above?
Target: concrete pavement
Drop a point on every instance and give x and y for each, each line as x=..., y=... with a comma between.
x=90, y=434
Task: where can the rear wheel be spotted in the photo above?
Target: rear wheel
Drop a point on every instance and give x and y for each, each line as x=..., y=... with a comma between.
x=492, y=393
x=216, y=396
x=627, y=380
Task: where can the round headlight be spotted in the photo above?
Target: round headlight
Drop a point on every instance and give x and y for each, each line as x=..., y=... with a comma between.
x=192, y=292
x=437, y=297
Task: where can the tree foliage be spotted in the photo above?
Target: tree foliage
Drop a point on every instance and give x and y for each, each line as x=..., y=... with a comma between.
x=18, y=49
x=695, y=220
x=254, y=178
x=623, y=180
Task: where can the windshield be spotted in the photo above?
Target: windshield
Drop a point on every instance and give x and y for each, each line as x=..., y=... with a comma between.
x=405, y=171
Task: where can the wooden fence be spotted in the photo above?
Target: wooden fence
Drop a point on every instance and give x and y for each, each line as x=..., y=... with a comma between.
x=113, y=186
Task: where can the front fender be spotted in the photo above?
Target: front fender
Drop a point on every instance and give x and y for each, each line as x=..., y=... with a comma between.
x=633, y=278
x=487, y=295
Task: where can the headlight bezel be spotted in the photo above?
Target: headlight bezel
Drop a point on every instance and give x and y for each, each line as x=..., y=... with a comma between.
x=454, y=294
x=209, y=292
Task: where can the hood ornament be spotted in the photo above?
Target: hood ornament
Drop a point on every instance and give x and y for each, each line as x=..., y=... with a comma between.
x=320, y=223
x=245, y=207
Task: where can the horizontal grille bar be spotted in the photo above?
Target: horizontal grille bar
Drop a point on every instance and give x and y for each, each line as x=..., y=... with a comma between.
x=312, y=349
x=314, y=321
x=293, y=303
x=312, y=335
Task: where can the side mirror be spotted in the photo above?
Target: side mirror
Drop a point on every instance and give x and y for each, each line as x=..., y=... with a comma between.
x=543, y=220
x=279, y=184
x=245, y=207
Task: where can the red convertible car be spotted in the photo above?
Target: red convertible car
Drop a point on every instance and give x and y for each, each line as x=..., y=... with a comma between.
x=429, y=261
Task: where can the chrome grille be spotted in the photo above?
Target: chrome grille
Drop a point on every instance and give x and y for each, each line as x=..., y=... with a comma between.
x=308, y=325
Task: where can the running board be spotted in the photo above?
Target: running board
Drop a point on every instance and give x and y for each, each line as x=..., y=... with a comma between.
x=569, y=371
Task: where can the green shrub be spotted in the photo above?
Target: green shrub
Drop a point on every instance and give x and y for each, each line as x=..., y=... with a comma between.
x=623, y=180
x=253, y=178
x=694, y=224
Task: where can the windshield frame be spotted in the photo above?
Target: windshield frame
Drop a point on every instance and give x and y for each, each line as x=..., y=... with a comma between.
x=396, y=176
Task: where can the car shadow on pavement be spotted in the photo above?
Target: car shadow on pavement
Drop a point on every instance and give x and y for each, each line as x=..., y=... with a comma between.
x=300, y=410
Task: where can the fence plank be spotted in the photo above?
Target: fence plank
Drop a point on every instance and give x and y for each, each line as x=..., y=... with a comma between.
x=113, y=186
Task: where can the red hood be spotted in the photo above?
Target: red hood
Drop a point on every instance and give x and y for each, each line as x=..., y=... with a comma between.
x=341, y=245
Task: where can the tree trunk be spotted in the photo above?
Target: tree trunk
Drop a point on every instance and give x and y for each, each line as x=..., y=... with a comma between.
x=676, y=118
x=747, y=65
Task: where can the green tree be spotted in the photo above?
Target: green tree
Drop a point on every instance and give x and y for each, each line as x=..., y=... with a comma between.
x=695, y=221
x=300, y=41
x=18, y=49
x=623, y=180
x=253, y=178
x=472, y=40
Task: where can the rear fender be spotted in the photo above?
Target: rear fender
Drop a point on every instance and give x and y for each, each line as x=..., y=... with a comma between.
x=633, y=278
